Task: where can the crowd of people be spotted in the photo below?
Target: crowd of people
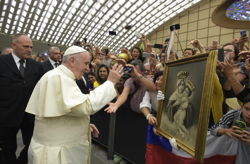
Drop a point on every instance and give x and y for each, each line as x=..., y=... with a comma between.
x=137, y=82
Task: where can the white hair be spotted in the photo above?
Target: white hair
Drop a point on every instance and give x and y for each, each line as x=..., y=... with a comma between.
x=66, y=58
x=51, y=48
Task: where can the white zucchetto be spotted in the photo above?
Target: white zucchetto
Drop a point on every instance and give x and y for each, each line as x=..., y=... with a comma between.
x=73, y=50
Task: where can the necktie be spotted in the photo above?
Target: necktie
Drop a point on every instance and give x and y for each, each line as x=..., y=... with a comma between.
x=21, y=68
x=56, y=64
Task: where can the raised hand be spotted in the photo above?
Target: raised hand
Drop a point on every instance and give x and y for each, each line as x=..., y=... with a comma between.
x=115, y=74
x=243, y=39
x=121, y=61
x=143, y=38
x=112, y=108
x=229, y=68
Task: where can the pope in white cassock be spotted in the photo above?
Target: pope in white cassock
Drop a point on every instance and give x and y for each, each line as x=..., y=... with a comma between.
x=62, y=123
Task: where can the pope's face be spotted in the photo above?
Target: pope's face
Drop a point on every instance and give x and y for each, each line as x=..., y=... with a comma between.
x=81, y=64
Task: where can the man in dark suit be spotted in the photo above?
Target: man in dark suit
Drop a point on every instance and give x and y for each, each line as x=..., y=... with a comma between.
x=53, y=61
x=18, y=77
x=83, y=84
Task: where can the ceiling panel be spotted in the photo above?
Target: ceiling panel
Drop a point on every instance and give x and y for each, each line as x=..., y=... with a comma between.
x=64, y=21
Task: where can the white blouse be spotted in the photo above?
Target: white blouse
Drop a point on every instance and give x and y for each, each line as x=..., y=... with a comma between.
x=150, y=101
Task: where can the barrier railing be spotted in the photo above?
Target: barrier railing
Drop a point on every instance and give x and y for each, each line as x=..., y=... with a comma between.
x=123, y=133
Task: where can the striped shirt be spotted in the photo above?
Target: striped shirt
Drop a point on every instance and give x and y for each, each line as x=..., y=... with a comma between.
x=228, y=120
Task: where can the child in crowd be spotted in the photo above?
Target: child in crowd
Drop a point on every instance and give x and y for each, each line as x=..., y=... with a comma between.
x=227, y=126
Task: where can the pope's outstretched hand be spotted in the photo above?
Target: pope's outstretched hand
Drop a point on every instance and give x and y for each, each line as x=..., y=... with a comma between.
x=115, y=74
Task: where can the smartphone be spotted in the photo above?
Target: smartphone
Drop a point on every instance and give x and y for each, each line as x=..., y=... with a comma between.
x=243, y=32
x=139, y=35
x=106, y=51
x=146, y=55
x=174, y=27
x=88, y=45
x=227, y=57
x=215, y=43
x=158, y=46
x=240, y=124
x=220, y=54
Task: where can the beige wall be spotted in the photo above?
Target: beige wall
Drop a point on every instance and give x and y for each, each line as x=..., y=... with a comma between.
x=196, y=23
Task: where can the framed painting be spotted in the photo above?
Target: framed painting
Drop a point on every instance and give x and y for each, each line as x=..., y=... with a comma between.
x=184, y=114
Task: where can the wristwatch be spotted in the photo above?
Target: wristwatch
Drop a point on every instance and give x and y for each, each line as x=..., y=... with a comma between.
x=140, y=76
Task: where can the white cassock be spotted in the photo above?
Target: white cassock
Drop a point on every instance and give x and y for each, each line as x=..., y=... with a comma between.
x=61, y=133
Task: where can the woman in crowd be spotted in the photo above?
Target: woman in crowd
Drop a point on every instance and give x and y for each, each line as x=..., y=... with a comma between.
x=137, y=54
x=241, y=73
x=102, y=75
x=92, y=79
x=149, y=104
x=106, y=60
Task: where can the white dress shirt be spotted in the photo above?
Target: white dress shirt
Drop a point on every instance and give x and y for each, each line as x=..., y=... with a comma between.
x=17, y=61
x=84, y=80
x=53, y=63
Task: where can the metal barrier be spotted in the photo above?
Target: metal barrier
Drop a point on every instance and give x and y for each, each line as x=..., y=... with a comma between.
x=123, y=133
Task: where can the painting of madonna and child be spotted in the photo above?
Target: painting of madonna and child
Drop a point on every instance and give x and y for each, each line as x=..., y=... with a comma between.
x=183, y=96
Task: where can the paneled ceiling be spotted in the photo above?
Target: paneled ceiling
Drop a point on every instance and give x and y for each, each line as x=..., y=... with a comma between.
x=63, y=22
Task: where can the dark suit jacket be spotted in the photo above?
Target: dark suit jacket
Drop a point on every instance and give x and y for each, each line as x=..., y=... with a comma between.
x=84, y=88
x=16, y=90
x=47, y=66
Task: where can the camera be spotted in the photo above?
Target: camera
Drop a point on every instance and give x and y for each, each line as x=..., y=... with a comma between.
x=175, y=27
x=112, y=33
x=158, y=46
x=127, y=69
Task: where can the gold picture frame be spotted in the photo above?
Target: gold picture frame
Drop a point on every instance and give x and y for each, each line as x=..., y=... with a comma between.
x=184, y=114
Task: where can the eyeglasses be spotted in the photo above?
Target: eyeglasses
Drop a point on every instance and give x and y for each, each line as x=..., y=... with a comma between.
x=229, y=50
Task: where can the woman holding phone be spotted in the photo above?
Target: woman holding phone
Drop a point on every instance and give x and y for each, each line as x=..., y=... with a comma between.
x=231, y=55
